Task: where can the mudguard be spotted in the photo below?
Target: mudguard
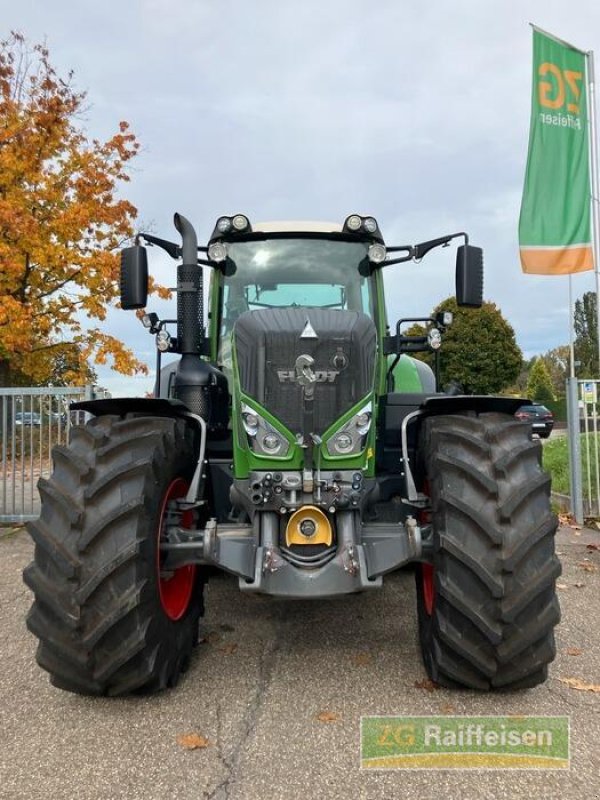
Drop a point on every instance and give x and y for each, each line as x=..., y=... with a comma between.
x=132, y=405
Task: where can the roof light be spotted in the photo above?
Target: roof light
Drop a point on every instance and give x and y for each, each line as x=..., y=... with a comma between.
x=370, y=224
x=354, y=222
x=223, y=224
x=240, y=222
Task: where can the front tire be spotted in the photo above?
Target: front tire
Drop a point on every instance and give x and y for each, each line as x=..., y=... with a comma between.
x=106, y=620
x=487, y=605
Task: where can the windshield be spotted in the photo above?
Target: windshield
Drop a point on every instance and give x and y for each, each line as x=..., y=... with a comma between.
x=278, y=272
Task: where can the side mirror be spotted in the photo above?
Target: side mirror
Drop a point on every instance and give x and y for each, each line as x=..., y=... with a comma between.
x=134, y=277
x=469, y=276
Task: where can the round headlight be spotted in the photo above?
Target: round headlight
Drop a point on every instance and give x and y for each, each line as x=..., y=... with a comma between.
x=343, y=442
x=362, y=420
x=370, y=225
x=434, y=337
x=163, y=341
x=240, y=222
x=377, y=253
x=217, y=252
x=354, y=222
x=224, y=224
x=250, y=421
x=271, y=442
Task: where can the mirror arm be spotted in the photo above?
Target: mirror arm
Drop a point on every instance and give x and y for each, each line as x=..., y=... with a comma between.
x=174, y=250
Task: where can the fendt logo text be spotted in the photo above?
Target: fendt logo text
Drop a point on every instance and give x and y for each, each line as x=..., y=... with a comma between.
x=321, y=375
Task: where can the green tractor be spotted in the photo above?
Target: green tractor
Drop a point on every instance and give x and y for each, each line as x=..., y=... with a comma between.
x=299, y=447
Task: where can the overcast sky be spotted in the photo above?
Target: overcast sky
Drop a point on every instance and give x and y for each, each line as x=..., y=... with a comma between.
x=417, y=113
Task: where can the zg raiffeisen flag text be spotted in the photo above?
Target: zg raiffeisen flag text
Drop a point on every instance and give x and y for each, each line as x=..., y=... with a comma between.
x=555, y=224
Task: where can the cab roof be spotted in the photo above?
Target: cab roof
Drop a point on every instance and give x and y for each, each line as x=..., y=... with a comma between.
x=297, y=226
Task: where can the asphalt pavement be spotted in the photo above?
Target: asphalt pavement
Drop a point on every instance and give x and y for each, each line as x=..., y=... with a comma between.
x=278, y=688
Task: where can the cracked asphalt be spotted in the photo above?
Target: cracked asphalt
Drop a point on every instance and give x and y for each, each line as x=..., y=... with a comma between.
x=265, y=671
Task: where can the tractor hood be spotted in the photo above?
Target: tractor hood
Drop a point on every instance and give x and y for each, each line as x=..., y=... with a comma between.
x=306, y=366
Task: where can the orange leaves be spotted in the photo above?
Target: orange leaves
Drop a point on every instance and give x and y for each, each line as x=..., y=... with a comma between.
x=427, y=684
x=192, y=741
x=61, y=218
x=580, y=685
x=327, y=716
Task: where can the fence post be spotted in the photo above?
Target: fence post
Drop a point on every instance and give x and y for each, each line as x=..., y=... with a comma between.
x=574, y=450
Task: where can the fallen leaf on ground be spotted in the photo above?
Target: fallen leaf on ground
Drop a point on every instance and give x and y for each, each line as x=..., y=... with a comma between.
x=593, y=546
x=211, y=638
x=573, y=651
x=562, y=586
x=427, y=684
x=447, y=709
x=581, y=686
x=588, y=566
x=228, y=649
x=192, y=741
x=579, y=585
x=327, y=716
x=362, y=659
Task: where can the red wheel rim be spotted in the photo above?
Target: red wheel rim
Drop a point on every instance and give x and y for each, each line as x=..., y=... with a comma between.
x=175, y=591
x=428, y=588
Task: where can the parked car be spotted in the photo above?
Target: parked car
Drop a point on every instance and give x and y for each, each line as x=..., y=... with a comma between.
x=28, y=418
x=540, y=417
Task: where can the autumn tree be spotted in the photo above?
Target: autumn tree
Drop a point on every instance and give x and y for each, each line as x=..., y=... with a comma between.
x=479, y=351
x=62, y=222
x=539, y=384
x=557, y=363
x=586, y=336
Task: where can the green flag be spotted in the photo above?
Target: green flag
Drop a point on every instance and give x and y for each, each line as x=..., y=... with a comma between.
x=555, y=226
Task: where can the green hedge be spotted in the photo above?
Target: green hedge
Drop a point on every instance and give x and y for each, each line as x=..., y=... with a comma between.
x=559, y=409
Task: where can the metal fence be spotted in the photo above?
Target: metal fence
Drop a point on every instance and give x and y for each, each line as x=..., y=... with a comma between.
x=32, y=421
x=583, y=412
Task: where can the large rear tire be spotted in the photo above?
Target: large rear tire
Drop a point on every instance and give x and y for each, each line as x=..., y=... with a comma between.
x=106, y=620
x=487, y=605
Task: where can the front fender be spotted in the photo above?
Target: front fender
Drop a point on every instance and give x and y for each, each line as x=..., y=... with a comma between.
x=121, y=406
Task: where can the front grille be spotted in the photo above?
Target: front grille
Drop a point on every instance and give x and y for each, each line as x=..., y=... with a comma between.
x=268, y=343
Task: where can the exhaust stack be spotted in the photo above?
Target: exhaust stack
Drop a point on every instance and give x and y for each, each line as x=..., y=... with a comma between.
x=198, y=384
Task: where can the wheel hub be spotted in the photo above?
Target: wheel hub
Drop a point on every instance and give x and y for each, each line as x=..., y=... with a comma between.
x=175, y=588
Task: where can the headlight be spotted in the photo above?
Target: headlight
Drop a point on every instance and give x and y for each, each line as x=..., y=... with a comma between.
x=217, y=252
x=250, y=422
x=377, y=253
x=354, y=222
x=163, y=341
x=240, y=222
x=263, y=438
x=272, y=443
x=224, y=225
x=434, y=337
x=350, y=439
x=370, y=225
x=342, y=443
